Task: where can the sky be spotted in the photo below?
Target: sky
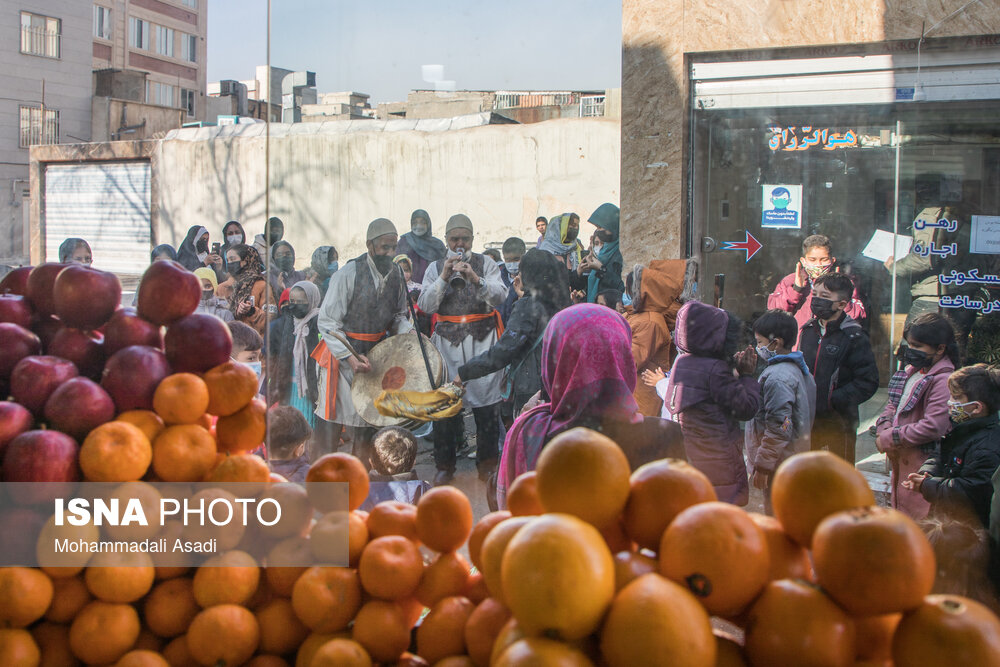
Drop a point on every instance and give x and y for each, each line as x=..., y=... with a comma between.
x=379, y=48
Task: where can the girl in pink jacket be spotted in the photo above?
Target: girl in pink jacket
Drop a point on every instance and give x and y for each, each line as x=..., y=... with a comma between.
x=916, y=416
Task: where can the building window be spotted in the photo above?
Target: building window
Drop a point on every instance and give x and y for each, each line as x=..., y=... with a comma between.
x=160, y=93
x=165, y=41
x=102, y=22
x=40, y=35
x=189, y=47
x=187, y=101
x=190, y=3
x=138, y=33
x=34, y=131
x=591, y=106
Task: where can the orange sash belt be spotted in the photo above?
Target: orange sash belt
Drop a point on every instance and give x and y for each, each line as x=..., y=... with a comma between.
x=469, y=319
x=368, y=338
x=321, y=355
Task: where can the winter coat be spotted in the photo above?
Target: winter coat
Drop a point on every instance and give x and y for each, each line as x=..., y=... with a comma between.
x=796, y=300
x=280, y=365
x=782, y=425
x=508, y=305
x=215, y=306
x=653, y=315
x=294, y=470
x=962, y=468
x=842, y=365
x=909, y=434
x=708, y=401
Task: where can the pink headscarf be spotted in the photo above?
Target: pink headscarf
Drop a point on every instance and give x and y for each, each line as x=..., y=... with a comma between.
x=589, y=374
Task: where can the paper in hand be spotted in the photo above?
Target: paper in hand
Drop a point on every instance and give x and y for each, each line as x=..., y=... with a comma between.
x=880, y=246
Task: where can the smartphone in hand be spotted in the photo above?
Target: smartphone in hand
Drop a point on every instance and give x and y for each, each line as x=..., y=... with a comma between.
x=216, y=247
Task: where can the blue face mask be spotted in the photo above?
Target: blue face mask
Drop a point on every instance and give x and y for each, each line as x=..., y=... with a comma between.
x=332, y=267
x=780, y=202
x=764, y=352
x=256, y=368
x=512, y=267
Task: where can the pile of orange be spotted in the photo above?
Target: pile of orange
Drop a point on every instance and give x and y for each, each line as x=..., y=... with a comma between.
x=593, y=565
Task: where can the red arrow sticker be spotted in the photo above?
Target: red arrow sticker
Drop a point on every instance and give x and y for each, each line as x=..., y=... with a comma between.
x=751, y=245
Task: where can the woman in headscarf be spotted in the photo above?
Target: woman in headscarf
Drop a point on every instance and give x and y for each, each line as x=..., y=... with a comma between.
x=77, y=251
x=282, y=274
x=163, y=251
x=292, y=374
x=561, y=239
x=605, y=262
x=211, y=304
x=588, y=377
x=420, y=245
x=194, y=252
x=325, y=262
x=233, y=235
x=253, y=301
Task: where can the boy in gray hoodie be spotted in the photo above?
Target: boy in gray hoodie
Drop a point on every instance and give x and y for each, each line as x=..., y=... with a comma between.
x=782, y=426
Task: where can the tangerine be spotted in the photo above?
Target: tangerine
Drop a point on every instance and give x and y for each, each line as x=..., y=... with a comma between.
x=103, y=632
x=115, y=452
x=479, y=533
x=227, y=578
x=119, y=577
x=243, y=430
x=444, y=519
x=659, y=491
x=341, y=653
x=540, y=651
x=383, y=629
x=481, y=630
x=327, y=598
x=25, y=595
x=493, y=550
x=391, y=567
x=522, y=496
x=442, y=632
x=392, y=517
x=69, y=596
x=281, y=631
x=18, y=648
x=337, y=467
x=181, y=398
x=183, y=453
x=226, y=634
x=170, y=607
x=147, y=421
x=947, y=630
x=789, y=560
x=231, y=386
x=447, y=576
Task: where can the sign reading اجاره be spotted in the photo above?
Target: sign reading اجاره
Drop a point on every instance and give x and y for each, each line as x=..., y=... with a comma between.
x=985, y=234
x=782, y=207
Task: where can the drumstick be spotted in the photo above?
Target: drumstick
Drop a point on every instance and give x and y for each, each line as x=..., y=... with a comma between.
x=347, y=345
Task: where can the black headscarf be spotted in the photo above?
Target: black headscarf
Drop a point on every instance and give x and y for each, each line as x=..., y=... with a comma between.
x=544, y=277
x=163, y=249
x=187, y=254
x=226, y=245
x=428, y=247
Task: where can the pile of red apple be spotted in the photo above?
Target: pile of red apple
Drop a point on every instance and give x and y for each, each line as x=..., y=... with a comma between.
x=71, y=358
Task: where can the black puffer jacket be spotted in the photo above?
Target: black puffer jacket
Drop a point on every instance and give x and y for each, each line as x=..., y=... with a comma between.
x=279, y=363
x=962, y=468
x=843, y=365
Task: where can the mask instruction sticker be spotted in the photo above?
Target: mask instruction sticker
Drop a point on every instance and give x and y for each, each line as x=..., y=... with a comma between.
x=782, y=206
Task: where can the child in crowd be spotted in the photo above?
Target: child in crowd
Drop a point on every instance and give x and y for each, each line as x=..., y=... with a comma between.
x=611, y=298
x=784, y=422
x=510, y=268
x=393, y=455
x=956, y=479
x=211, y=304
x=247, y=348
x=794, y=293
x=287, y=435
x=839, y=355
x=916, y=416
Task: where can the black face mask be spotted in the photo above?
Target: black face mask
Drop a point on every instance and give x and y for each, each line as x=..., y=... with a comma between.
x=571, y=234
x=275, y=235
x=235, y=268
x=917, y=358
x=202, y=245
x=298, y=310
x=286, y=263
x=383, y=263
x=822, y=308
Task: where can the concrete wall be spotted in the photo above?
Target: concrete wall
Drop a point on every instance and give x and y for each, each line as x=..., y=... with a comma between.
x=327, y=186
x=107, y=119
x=656, y=35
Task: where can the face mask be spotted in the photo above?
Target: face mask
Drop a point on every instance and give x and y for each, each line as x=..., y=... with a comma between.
x=234, y=239
x=383, y=263
x=418, y=228
x=255, y=367
x=298, y=310
x=571, y=234
x=207, y=294
x=512, y=267
x=605, y=235
x=815, y=272
x=202, y=246
x=780, y=202
x=957, y=411
x=597, y=247
x=332, y=267
x=286, y=264
x=764, y=352
x=235, y=268
x=822, y=308
x=917, y=358
x=275, y=235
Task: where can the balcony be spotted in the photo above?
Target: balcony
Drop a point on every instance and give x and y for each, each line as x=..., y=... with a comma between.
x=40, y=42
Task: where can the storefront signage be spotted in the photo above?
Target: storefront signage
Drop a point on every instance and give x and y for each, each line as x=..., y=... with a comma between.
x=804, y=137
x=782, y=207
x=967, y=303
x=750, y=245
x=933, y=249
x=985, y=234
x=971, y=276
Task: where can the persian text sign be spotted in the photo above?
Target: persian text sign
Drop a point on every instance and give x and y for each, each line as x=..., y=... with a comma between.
x=804, y=137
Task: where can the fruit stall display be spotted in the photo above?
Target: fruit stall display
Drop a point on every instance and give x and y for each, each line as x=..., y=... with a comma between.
x=592, y=564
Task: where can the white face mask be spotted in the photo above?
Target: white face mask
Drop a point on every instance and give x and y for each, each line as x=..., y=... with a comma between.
x=512, y=267
x=234, y=239
x=418, y=228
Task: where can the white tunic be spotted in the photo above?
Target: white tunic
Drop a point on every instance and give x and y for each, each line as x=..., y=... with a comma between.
x=486, y=390
x=331, y=318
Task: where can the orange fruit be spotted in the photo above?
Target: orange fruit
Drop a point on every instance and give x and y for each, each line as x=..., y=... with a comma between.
x=146, y=421
x=226, y=634
x=873, y=560
x=509, y=633
x=630, y=565
x=584, y=473
x=947, y=630
x=615, y=537
x=475, y=588
x=522, y=496
x=788, y=559
x=244, y=429
x=227, y=536
x=183, y=453
x=337, y=467
x=442, y=632
x=170, y=572
x=230, y=387
x=248, y=468
x=383, y=629
x=69, y=596
x=795, y=623
x=57, y=565
x=341, y=653
x=797, y=503
x=480, y=531
x=119, y=577
x=296, y=510
x=115, y=452
x=25, y=595
x=149, y=499
x=558, y=577
x=142, y=658
x=391, y=517
x=444, y=519
x=281, y=631
x=227, y=578
x=482, y=628
x=493, y=549
x=327, y=598
x=391, y=567
x=177, y=653
x=874, y=636
x=147, y=641
x=539, y=651
x=339, y=538
x=659, y=491
x=308, y=649
x=181, y=398
x=53, y=641
x=718, y=552
x=447, y=576
x=103, y=632
x=653, y=621
x=170, y=607
x=286, y=562
x=18, y=648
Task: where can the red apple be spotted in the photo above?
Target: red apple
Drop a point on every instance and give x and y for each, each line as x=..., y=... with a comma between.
x=20, y=527
x=167, y=292
x=16, y=282
x=126, y=328
x=15, y=419
x=35, y=378
x=16, y=343
x=197, y=343
x=14, y=308
x=41, y=456
x=132, y=374
x=39, y=287
x=79, y=406
x=84, y=297
x=46, y=327
x=84, y=348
